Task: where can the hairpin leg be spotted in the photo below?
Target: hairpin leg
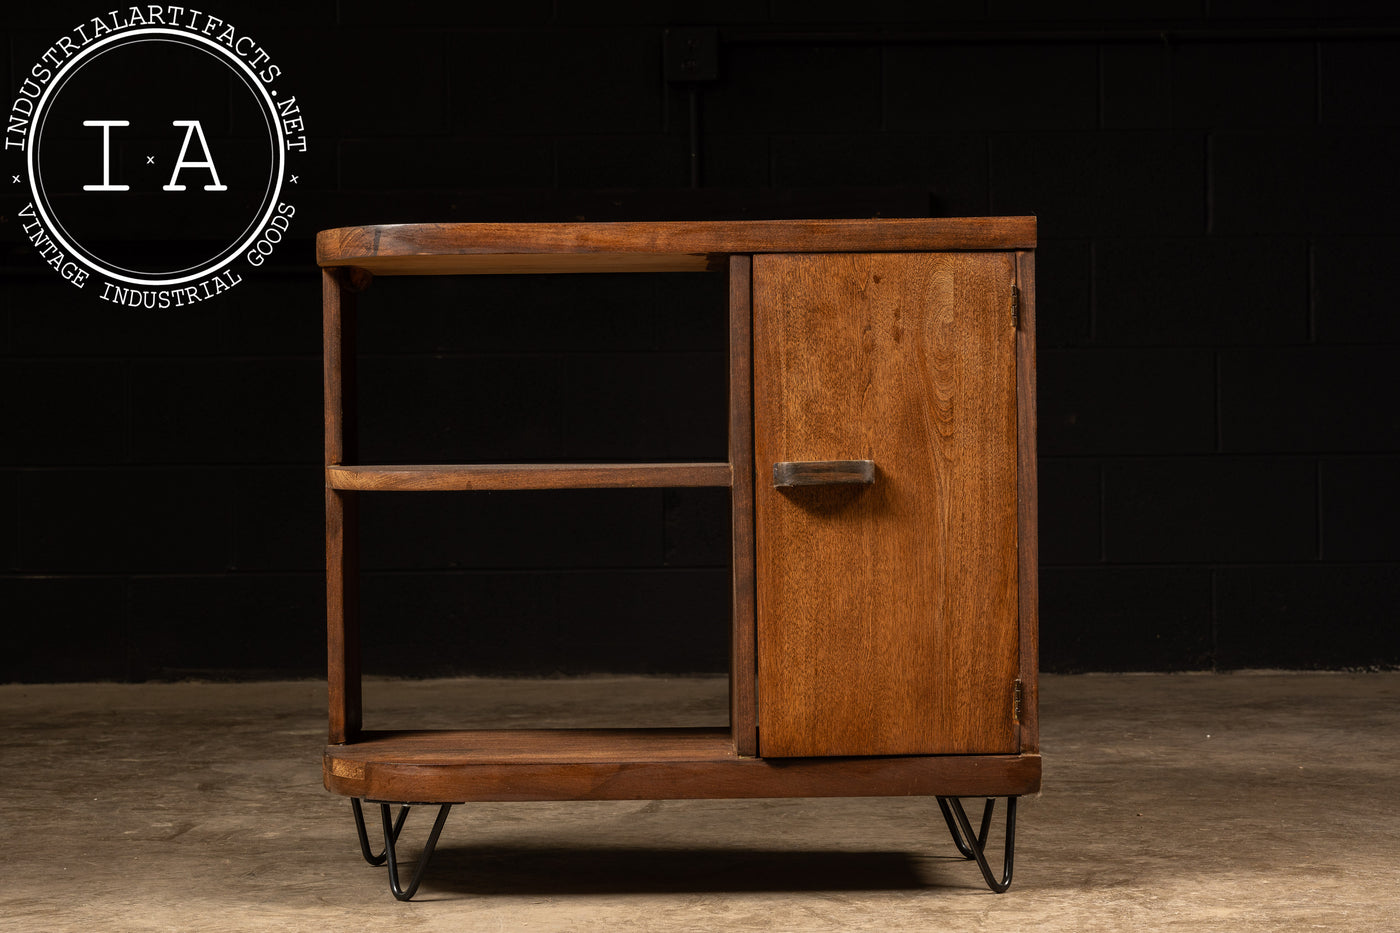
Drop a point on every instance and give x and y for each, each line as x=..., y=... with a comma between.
x=974, y=846
x=391, y=837
x=364, y=836
x=392, y=828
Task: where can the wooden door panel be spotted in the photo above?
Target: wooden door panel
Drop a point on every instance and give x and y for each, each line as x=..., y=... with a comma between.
x=887, y=614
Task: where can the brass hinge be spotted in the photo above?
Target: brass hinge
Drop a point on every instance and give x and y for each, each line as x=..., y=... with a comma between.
x=1015, y=306
x=1018, y=694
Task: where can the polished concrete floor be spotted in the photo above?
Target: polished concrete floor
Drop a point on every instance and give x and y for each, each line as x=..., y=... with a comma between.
x=1178, y=802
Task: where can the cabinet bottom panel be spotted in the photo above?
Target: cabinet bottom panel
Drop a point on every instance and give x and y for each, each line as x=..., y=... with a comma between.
x=642, y=764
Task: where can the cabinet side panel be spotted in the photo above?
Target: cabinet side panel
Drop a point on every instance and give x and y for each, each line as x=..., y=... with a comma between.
x=887, y=614
x=742, y=711
x=1028, y=505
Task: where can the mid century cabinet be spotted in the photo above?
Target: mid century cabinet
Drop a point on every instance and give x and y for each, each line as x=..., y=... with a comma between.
x=882, y=475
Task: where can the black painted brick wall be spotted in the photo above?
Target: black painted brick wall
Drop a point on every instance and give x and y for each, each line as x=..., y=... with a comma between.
x=1218, y=324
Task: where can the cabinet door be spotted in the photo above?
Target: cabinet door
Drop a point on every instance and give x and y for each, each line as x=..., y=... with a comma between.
x=887, y=613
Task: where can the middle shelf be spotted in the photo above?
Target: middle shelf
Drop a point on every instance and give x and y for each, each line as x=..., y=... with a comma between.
x=502, y=476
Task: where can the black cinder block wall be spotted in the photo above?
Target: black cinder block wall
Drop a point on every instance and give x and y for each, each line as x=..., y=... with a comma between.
x=1217, y=190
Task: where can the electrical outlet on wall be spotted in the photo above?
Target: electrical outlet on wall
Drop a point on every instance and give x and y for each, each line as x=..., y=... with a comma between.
x=692, y=54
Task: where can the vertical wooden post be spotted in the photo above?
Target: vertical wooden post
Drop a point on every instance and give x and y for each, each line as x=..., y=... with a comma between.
x=342, y=510
x=743, y=715
x=1027, y=521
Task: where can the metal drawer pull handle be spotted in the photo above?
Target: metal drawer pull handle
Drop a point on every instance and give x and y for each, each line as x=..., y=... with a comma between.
x=824, y=473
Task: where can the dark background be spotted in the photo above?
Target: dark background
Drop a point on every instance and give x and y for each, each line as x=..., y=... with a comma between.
x=1216, y=185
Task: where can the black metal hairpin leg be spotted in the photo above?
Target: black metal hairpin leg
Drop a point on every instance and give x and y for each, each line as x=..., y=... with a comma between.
x=974, y=847
x=390, y=837
x=392, y=828
x=373, y=859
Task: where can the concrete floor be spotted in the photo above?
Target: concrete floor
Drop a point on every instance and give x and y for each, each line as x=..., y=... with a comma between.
x=1187, y=802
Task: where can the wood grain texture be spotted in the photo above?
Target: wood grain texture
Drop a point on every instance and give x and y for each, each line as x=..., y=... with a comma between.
x=436, y=249
x=504, y=476
x=342, y=510
x=607, y=764
x=1027, y=509
x=743, y=710
x=887, y=615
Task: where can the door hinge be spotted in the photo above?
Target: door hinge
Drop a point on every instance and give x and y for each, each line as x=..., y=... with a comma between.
x=1018, y=693
x=1015, y=306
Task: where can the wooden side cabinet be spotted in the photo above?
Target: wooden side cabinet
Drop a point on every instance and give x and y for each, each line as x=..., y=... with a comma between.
x=882, y=478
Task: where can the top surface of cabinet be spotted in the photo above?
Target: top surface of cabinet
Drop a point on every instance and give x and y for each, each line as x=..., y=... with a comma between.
x=672, y=246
